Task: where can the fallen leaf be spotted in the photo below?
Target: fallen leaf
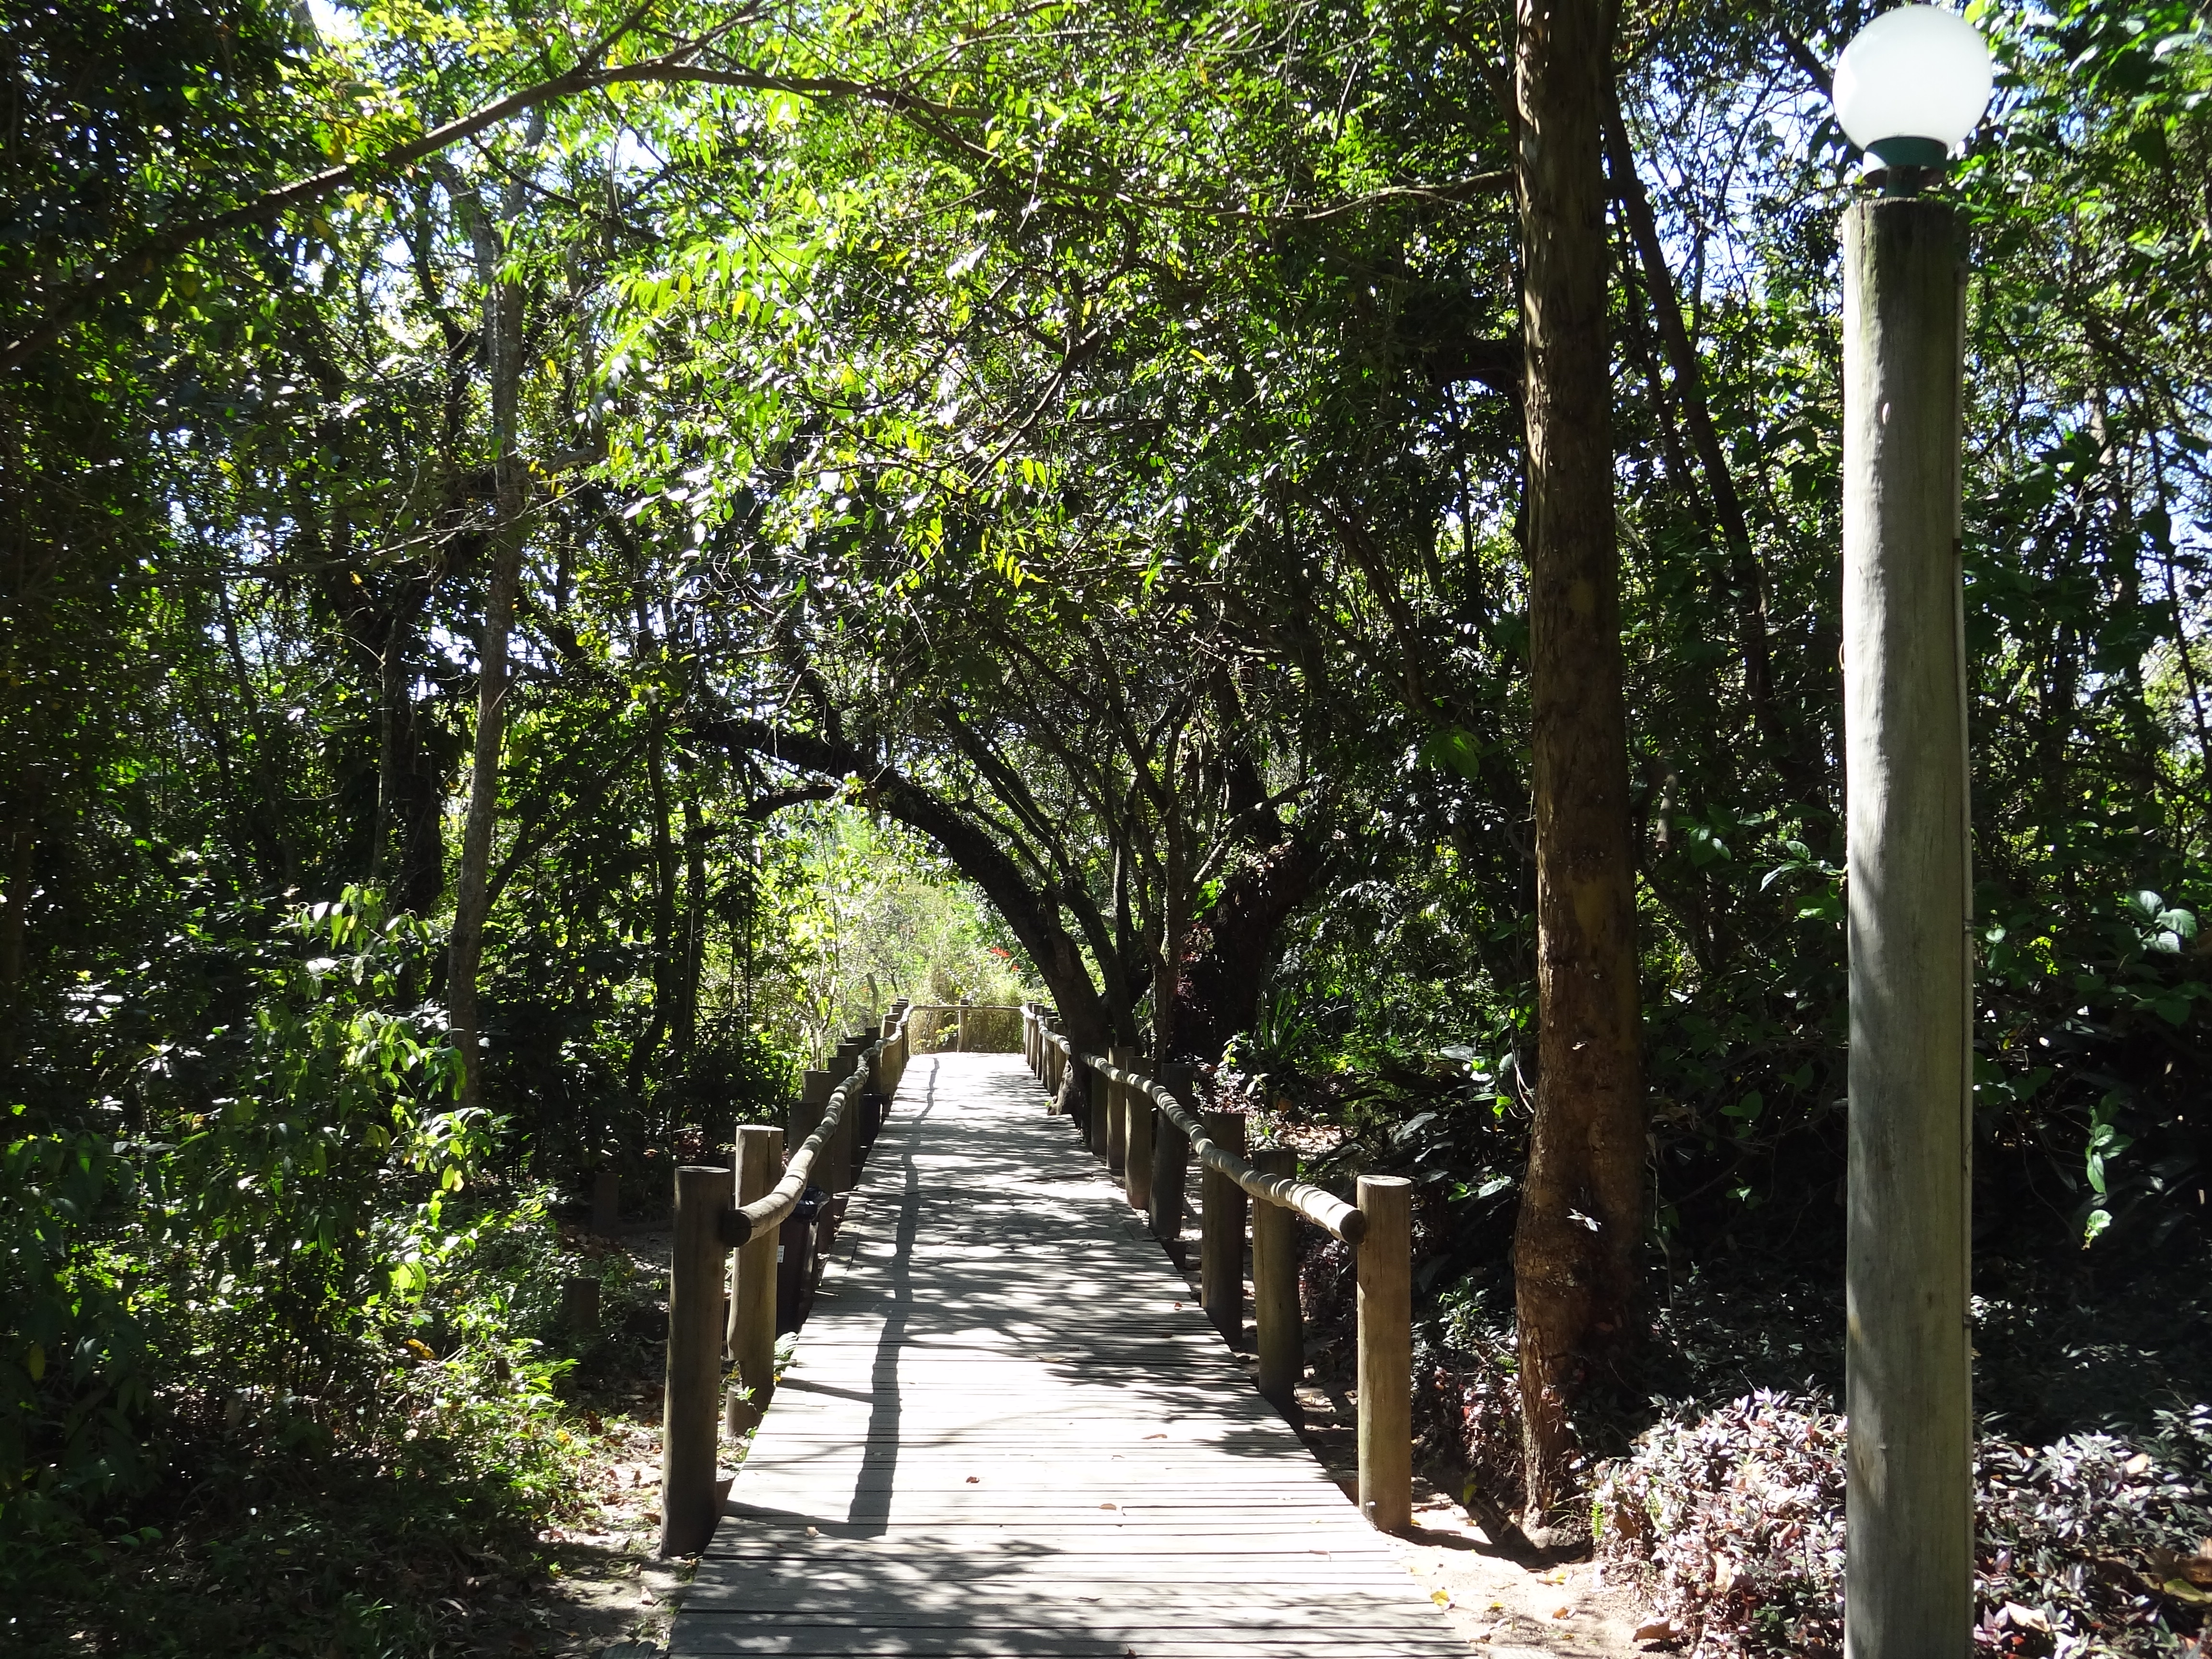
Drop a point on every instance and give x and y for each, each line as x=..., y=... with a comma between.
x=2195, y=1570
x=1724, y=1575
x=1441, y=1598
x=975, y=1479
x=1562, y=1612
x=1156, y=1436
x=2023, y=1617
x=812, y=1531
x=1558, y=1576
x=2139, y=1464
x=1109, y=1506
x=1659, y=1630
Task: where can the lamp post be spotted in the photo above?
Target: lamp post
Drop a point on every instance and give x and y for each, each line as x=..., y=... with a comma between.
x=1913, y=84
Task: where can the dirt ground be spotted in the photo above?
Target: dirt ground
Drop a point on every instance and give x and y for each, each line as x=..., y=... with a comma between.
x=609, y=1594
x=1506, y=1608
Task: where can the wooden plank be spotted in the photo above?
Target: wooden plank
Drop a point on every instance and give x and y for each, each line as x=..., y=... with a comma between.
x=750, y=1636
x=994, y=1311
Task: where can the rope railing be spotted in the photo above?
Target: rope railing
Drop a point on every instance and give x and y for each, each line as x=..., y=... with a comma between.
x=1317, y=1204
x=740, y=1225
x=743, y=1206
x=1144, y=1133
x=956, y=1016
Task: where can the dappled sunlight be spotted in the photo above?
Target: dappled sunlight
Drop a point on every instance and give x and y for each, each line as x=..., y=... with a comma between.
x=1007, y=1419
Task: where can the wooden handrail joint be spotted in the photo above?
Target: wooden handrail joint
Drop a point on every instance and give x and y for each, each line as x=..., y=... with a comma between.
x=1317, y=1204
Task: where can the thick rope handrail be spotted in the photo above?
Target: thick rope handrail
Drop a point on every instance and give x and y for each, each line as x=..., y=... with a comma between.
x=1321, y=1207
x=773, y=1207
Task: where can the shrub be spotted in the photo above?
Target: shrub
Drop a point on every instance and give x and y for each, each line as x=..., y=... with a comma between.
x=1732, y=1522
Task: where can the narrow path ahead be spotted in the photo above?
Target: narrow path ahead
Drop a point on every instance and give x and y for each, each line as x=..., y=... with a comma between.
x=1010, y=1432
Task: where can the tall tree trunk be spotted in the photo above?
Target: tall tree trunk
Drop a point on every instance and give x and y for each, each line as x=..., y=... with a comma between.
x=667, y=947
x=1581, y=1219
x=503, y=336
x=693, y=965
x=1219, y=993
x=1167, y=966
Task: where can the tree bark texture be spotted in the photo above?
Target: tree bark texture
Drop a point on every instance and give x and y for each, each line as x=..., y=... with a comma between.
x=1226, y=954
x=1909, y=1493
x=1581, y=1218
x=503, y=334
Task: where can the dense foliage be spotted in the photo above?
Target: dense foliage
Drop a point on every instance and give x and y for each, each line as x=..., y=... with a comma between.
x=1032, y=494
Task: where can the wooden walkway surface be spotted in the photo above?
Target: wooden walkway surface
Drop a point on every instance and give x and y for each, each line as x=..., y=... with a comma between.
x=1010, y=1432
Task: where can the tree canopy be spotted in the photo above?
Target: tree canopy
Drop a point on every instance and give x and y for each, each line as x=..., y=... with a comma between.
x=534, y=533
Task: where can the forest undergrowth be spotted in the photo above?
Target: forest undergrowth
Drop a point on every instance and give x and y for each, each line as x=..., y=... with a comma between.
x=479, y=1464
x=1715, y=1469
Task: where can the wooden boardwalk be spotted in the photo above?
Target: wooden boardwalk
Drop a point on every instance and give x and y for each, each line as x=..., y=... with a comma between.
x=1010, y=1432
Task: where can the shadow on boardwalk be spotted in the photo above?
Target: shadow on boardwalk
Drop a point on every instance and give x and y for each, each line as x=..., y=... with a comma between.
x=1009, y=1432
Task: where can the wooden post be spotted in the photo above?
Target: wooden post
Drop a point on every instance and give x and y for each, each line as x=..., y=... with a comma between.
x=1078, y=1099
x=1221, y=1234
x=961, y=1047
x=1386, y=1352
x=1029, y=1038
x=1117, y=1116
x=1909, y=1502
x=1097, y=1128
x=1281, y=1333
x=689, y=1409
x=752, y=1305
x=1137, y=1113
x=871, y=1106
x=580, y=1304
x=606, y=1203
x=841, y=1154
x=1171, y=1165
x=814, y=1089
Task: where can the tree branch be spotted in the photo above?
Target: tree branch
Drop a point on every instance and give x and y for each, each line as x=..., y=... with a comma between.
x=1033, y=916
x=77, y=300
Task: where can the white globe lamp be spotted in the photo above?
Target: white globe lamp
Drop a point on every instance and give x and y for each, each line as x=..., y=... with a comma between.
x=1911, y=85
